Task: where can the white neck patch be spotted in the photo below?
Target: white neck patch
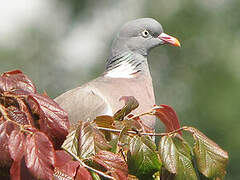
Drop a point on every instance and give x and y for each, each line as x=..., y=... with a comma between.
x=124, y=70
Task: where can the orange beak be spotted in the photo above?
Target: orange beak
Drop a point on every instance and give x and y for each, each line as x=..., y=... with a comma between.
x=169, y=39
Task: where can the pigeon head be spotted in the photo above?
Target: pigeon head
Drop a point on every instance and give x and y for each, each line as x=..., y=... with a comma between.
x=132, y=44
x=141, y=35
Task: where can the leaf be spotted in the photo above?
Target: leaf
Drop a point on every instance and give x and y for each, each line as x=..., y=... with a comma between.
x=176, y=158
x=130, y=104
x=168, y=116
x=71, y=142
x=83, y=174
x=137, y=124
x=39, y=156
x=91, y=141
x=17, y=115
x=16, y=145
x=8, y=99
x=15, y=170
x=65, y=167
x=85, y=141
x=56, y=118
x=62, y=157
x=113, y=163
x=19, y=171
x=124, y=136
x=132, y=177
x=4, y=173
x=24, y=108
x=95, y=176
x=5, y=130
x=211, y=159
x=166, y=175
x=142, y=158
x=53, y=119
x=16, y=93
x=16, y=80
x=105, y=121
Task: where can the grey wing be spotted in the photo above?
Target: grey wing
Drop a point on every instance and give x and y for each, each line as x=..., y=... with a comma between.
x=83, y=103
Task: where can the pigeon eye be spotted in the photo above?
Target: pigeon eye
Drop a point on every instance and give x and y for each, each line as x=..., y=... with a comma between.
x=145, y=33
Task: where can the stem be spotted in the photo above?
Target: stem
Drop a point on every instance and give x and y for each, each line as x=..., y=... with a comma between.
x=88, y=167
x=147, y=134
x=143, y=114
x=121, y=151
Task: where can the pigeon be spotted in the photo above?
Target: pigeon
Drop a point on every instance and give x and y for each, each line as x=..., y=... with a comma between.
x=127, y=74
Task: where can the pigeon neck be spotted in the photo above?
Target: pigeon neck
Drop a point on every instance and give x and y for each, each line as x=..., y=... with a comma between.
x=126, y=64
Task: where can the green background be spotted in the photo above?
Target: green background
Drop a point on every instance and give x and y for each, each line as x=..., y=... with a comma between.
x=201, y=80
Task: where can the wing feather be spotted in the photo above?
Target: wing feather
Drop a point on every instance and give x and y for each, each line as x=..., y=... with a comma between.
x=89, y=101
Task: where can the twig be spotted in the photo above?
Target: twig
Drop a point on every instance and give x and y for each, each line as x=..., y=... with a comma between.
x=147, y=134
x=143, y=114
x=90, y=168
x=124, y=158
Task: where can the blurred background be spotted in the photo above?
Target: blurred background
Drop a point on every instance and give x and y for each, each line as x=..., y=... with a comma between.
x=62, y=44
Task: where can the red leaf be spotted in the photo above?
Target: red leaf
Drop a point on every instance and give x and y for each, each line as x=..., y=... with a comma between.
x=62, y=157
x=31, y=129
x=15, y=170
x=24, y=108
x=83, y=174
x=64, y=165
x=16, y=145
x=17, y=115
x=8, y=99
x=16, y=93
x=114, y=163
x=168, y=116
x=16, y=80
x=53, y=119
x=136, y=123
x=39, y=155
x=19, y=171
x=17, y=108
x=5, y=130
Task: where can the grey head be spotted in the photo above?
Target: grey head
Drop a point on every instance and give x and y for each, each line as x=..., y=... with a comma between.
x=134, y=41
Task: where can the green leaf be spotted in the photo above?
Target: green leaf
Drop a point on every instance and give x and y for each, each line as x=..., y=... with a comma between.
x=71, y=143
x=105, y=121
x=95, y=176
x=85, y=141
x=143, y=161
x=211, y=159
x=130, y=104
x=166, y=175
x=176, y=158
x=91, y=141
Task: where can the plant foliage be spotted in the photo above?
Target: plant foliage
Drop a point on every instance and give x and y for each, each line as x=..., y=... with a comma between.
x=37, y=142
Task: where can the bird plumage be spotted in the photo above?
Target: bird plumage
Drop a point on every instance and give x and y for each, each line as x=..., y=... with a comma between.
x=127, y=74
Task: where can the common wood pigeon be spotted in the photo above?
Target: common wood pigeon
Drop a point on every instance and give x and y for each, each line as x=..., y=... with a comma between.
x=126, y=74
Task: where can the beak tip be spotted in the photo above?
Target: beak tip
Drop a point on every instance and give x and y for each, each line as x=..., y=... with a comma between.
x=169, y=39
x=178, y=44
x=175, y=42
